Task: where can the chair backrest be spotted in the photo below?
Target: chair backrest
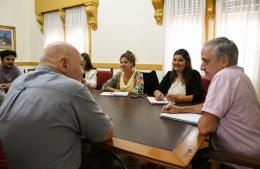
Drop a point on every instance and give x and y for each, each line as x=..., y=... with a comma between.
x=150, y=82
x=28, y=70
x=103, y=76
x=205, y=86
x=219, y=157
x=3, y=162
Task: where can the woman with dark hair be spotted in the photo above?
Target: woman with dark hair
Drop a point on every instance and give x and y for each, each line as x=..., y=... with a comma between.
x=182, y=84
x=90, y=75
x=128, y=79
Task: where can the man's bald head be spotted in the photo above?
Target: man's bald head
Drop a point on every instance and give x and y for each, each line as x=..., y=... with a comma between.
x=64, y=58
x=54, y=51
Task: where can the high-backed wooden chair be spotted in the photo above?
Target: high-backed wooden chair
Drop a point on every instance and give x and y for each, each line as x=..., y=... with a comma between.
x=103, y=76
x=219, y=157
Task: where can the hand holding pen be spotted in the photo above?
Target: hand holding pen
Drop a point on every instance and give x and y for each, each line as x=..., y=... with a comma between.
x=171, y=108
x=159, y=96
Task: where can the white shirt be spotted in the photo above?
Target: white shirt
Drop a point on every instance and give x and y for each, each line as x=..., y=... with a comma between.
x=177, y=88
x=91, y=78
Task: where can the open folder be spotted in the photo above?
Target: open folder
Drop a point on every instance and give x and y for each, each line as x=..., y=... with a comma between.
x=152, y=100
x=114, y=93
x=184, y=117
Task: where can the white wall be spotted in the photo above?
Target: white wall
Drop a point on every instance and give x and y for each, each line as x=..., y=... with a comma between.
x=36, y=42
x=127, y=25
x=20, y=14
x=122, y=26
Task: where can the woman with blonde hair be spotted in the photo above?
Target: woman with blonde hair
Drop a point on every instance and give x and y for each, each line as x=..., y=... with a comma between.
x=128, y=79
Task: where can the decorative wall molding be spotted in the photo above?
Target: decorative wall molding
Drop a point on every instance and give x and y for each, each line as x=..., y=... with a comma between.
x=62, y=15
x=158, y=7
x=91, y=10
x=32, y=63
x=210, y=19
x=40, y=20
x=44, y=6
x=103, y=65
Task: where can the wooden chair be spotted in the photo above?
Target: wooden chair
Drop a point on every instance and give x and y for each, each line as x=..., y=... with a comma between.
x=103, y=76
x=219, y=157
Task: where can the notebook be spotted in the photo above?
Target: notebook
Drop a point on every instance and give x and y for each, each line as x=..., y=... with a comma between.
x=184, y=117
x=152, y=100
x=114, y=93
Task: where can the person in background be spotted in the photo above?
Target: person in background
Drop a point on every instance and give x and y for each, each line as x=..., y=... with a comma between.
x=231, y=112
x=46, y=113
x=182, y=84
x=8, y=71
x=128, y=79
x=90, y=78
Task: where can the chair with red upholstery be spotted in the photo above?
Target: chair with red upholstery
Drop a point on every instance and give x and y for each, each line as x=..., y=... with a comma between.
x=103, y=76
x=205, y=85
x=3, y=161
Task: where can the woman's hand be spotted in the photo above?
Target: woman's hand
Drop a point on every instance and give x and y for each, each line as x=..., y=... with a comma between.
x=114, y=90
x=5, y=86
x=158, y=95
x=172, y=98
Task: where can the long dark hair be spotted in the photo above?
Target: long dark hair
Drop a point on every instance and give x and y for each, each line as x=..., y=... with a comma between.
x=188, y=67
x=88, y=65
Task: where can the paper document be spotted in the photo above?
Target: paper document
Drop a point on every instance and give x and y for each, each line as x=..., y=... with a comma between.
x=152, y=100
x=184, y=117
x=114, y=93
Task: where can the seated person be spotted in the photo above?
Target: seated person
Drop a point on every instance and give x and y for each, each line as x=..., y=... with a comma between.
x=90, y=79
x=128, y=79
x=231, y=112
x=8, y=71
x=47, y=112
x=182, y=84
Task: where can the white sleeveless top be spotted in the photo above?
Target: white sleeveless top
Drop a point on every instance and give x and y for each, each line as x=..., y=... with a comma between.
x=177, y=88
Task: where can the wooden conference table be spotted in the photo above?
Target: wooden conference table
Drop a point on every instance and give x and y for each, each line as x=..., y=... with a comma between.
x=139, y=131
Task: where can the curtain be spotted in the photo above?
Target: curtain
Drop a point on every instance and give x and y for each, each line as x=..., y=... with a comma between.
x=239, y=20
x=184, y=27
x=53, y=28
x=76, y=28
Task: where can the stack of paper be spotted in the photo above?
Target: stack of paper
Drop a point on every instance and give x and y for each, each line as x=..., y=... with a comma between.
x=114, y=93
x=184, y=117
x=152, y=100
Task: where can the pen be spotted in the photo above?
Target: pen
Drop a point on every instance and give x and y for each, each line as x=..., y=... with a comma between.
x=161, y=97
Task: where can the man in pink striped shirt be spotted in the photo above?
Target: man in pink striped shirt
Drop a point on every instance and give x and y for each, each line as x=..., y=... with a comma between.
x=231, y=112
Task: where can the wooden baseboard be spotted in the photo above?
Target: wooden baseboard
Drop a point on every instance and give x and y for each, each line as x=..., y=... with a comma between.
x=104, y=65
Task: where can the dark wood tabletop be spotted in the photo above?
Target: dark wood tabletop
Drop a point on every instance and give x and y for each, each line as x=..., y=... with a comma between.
x=139, y=131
